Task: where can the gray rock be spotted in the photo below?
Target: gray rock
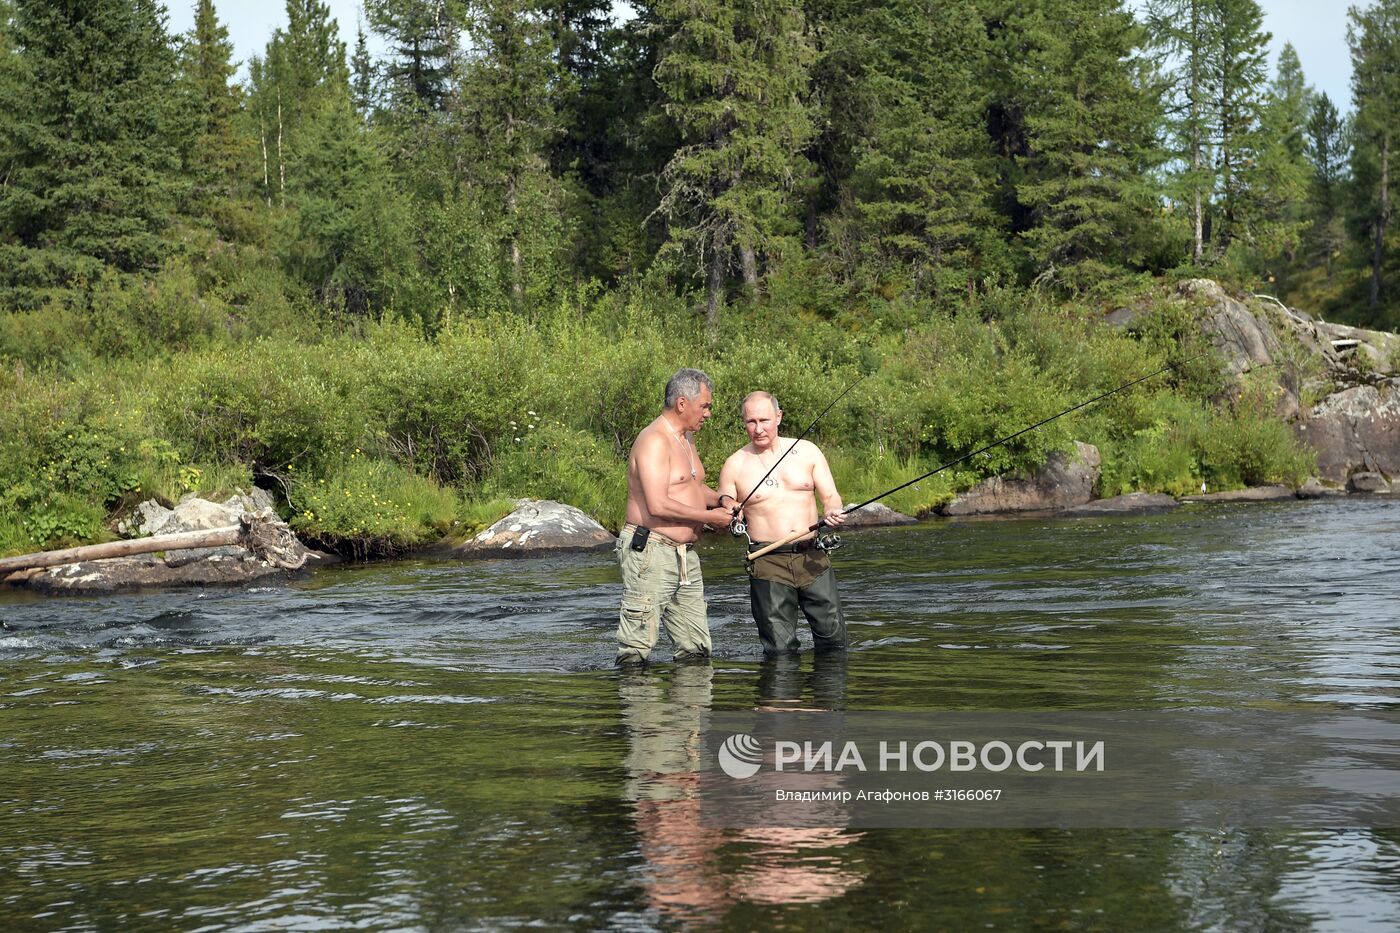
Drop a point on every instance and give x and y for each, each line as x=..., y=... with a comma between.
x=148, y=570
x=1251, y=494
x=1132, y=503
x=1315, y=489
x=1064, y=481
x=1355, y=430
x=1123, y=318
x=877, y=513
x=537, y=526
x=1368, y=482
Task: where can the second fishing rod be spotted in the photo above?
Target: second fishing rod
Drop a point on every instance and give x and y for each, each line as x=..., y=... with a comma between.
x=753, y=555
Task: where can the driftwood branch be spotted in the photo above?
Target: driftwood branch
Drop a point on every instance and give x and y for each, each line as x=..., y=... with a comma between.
x=258, y=532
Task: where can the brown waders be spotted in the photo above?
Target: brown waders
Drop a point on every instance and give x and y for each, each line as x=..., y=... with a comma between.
x=797, y=576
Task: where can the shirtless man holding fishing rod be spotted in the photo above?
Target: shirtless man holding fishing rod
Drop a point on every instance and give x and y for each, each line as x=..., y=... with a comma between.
x=667, y=505
x=778, y=503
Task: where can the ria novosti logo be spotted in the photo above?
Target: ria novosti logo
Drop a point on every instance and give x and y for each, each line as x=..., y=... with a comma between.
x=740, y=756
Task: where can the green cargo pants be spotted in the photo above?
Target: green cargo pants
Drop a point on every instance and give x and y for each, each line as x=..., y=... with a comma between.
x=661, y=585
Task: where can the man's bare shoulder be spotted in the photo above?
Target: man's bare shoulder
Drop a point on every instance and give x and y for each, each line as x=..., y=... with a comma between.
x=807, y=452
x=650, y=444
x=737, y=458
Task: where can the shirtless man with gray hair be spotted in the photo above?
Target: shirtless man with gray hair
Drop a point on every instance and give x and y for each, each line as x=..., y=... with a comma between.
x=668, y=504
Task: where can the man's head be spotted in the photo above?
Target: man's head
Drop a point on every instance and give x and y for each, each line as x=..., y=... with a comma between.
x=762, y=416
x=689, y=394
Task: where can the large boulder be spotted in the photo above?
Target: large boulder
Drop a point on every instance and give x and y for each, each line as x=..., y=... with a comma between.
x=1355, y=431
x=537, y=526
x=1064, y=481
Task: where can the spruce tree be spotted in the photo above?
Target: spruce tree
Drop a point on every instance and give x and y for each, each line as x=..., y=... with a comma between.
x=921, y=173
x=505, y=118
x=1282, y=166
x=735, y=77
x=422, y=36
x=1181, y=32
x=362, y=76
x=1087, y=115
x=91, y=166
x=1238, y=73
x=219, y=150
x=1374, y=38
x=1328, y=148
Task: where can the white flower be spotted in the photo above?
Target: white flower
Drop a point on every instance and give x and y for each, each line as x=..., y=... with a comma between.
x=531, y=414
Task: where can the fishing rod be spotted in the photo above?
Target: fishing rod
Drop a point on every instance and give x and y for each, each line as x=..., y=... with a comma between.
x=738, y=525
x=797, y=534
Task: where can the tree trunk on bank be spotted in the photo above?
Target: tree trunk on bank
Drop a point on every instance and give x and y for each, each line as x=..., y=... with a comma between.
x=719, y=260
x=749, y=259
x=1382, y=222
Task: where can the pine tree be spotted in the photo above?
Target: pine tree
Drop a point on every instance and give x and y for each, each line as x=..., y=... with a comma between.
x=423, y=36
x=921, y=173
x=735, y=77
x=1282, y=166
x=506, y=119
x=1374, y=38
x=1238, y=82
x=1088, y=115
x=219, y=151
x=1328, y=149
x=92, y=169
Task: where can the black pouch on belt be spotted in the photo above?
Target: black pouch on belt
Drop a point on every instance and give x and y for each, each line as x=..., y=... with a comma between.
x=640, y=536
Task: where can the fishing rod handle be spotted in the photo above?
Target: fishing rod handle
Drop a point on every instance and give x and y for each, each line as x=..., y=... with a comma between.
x=755, y=555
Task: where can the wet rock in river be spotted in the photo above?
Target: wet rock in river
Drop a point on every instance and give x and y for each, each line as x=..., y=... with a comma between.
x=1131, y=504
x=877, y=513
x=1251, y=494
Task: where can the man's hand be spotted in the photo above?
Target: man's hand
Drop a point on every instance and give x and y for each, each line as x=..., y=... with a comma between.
x=718, y=517
x=834, y=518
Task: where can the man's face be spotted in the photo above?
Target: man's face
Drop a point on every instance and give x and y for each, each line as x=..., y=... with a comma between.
x=761, y=421
x=696, y=411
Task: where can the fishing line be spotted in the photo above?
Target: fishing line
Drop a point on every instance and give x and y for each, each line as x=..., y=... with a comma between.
x=923, y=476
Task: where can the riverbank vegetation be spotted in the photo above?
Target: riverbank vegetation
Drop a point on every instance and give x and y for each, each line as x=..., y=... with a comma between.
x=400, y=293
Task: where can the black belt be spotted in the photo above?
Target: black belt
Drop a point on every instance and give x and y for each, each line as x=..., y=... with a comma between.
x=796, y=548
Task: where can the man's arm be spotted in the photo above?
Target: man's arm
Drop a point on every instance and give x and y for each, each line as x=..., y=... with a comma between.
x=653, y=459
x=832, y=510
x=727, y=490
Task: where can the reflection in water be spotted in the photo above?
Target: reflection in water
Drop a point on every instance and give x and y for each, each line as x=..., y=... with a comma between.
x=694, y=870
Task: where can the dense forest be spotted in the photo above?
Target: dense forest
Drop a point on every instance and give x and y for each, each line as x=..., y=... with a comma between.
x=431, y=278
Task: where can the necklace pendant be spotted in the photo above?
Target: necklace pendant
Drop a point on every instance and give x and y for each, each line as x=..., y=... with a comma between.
x=770, y=481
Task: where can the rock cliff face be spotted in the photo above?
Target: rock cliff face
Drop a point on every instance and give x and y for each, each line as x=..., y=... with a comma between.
x=1355, y=426
x=1065, y=481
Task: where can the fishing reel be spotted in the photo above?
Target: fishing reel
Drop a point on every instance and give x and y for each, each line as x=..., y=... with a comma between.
x=828, y=542
x=739, y=528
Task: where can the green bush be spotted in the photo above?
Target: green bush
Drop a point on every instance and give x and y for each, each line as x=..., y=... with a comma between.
x=371, y=507
x=554, y=461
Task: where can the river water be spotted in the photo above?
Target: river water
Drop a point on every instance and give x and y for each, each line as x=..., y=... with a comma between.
x=446, y=746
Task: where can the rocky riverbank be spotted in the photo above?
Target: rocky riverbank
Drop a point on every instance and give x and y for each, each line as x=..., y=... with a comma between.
x=1337, y=387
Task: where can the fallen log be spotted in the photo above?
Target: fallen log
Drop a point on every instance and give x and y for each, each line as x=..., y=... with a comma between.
x=259, y=532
